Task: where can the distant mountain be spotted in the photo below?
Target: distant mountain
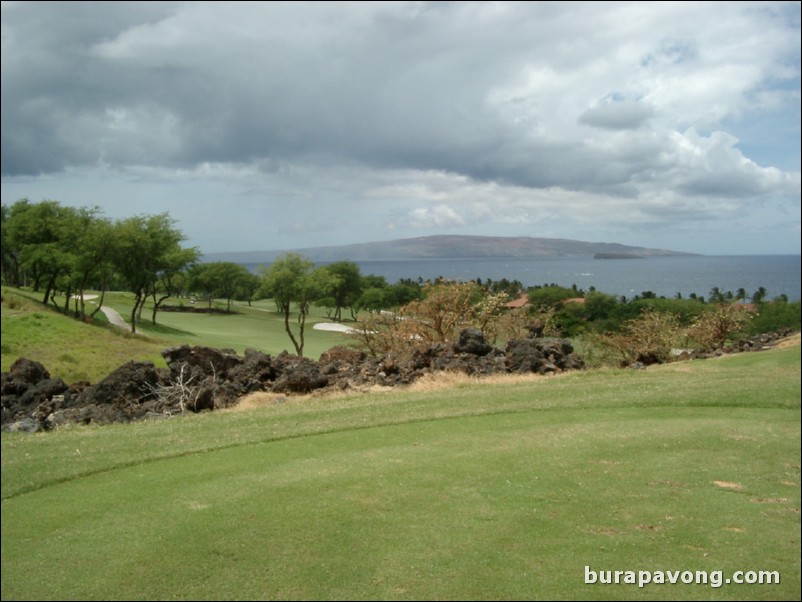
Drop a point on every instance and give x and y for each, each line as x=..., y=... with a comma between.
x=448, y=247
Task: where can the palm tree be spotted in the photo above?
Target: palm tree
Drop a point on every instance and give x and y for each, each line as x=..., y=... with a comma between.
x=759, y=295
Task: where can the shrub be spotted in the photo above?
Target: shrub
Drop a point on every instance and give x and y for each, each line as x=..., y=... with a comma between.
x=778, y=315
x=713, y=328
x=648, y=338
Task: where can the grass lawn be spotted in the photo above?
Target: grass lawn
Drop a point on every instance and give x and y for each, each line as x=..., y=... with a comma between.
x=257, y=327
x=505, y=489
x=69, y=349
x=75, y=351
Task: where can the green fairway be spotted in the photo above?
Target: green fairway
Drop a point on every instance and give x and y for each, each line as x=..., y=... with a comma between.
x=75, y=351
x=484, y=491
x=257, y=327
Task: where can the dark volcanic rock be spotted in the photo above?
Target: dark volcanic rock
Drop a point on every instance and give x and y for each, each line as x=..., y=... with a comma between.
x=26, y=425
x=131, y=383
x=205, y=361
x=27, y=371
x=472, y=340
x=26, y=385
x=298, y=375
x=203, y=378
x=43, y=391
x=541, y=355
x=254, y=371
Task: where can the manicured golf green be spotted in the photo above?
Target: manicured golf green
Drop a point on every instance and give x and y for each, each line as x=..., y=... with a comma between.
x=501, y=490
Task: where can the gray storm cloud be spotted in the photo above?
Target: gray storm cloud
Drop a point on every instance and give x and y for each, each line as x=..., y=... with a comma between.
x=628, y=101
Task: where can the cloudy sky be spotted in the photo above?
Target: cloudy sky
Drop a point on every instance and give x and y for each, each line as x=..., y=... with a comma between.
x=269, y=125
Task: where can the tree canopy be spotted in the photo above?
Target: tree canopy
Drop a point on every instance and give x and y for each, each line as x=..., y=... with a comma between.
x=51, y=247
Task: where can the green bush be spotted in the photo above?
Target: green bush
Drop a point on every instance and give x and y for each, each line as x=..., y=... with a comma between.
x=777, y=315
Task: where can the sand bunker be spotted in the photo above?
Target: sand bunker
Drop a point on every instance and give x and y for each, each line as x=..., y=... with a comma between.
x=332, y=327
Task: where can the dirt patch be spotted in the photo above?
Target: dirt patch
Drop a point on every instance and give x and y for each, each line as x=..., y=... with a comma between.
x=728, y=485
x=769, y=500
x=608, y=532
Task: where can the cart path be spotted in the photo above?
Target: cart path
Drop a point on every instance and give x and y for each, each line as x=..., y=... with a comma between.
x=114, y=318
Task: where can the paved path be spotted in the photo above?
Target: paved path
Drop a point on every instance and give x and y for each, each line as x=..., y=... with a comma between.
x=114, y=318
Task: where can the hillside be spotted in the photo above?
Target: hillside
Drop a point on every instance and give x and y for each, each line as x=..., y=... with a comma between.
x=446, y=247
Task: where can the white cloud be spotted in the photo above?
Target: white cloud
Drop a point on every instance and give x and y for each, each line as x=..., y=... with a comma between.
x=433, y=116
x=438, y=216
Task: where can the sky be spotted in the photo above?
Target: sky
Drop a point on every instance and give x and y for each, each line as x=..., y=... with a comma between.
x=272, y=125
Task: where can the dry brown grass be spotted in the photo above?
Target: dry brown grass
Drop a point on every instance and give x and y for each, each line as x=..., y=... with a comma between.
x=262, y=399
x=791, y=341
x=437, y=381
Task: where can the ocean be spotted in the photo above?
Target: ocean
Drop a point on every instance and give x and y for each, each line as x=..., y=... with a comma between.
x=664, y=276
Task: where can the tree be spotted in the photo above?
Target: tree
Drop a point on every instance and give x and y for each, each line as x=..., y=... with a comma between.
x=759, y=295
x=219, y=280
x=648, y=338
x=200, y=282
x=57, y=247
x=377, y=295
x=93, y=252
x=10, y=264
x=384, y=331
x=402, y=292
x=444, y=310
x=146, y=248
x=550, y=296
x=713, y=328
x=291, y=279
x=247, y=287
x=171, y=279
x=512, y=288
x=40, y=237
x=228, y=278
x=346, y=287
x=488, y=312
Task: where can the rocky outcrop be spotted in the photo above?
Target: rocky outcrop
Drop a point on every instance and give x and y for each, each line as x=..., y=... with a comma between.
x=297, y=375
x=543, y=356
x=472, y=340
x=203, y=378
x=24, y=387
